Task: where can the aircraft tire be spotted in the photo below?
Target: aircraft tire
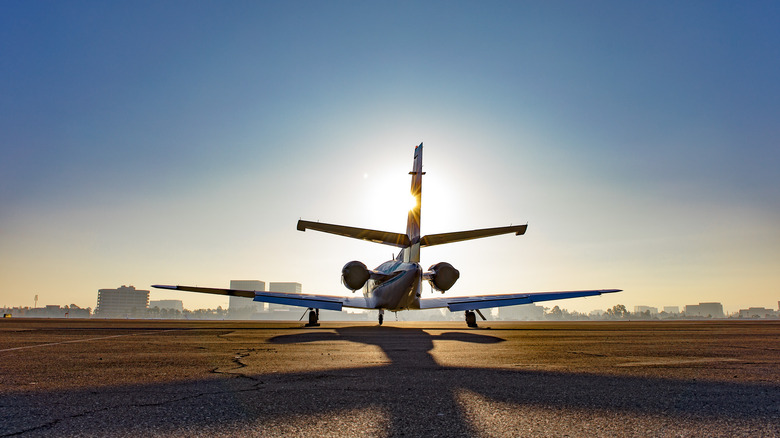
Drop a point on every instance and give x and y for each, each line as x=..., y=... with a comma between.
x=471, y=319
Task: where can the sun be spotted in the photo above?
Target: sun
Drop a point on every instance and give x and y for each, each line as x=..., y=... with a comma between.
x=411, y=201
x=401, y=202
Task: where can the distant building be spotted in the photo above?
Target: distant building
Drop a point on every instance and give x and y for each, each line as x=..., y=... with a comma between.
x=705, y=310
x=673, y=310
x=244, y=308
x=525, y=312
x=49, y=311
x=124, y=302
x=758, y=312
x=290, y=288
x=643, y=309
x=167, y=305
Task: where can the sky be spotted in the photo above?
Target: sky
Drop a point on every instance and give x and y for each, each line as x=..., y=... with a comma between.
x=178, y=142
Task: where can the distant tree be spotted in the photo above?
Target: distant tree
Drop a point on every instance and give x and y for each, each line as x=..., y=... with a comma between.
x=555, y=314
x=576, y=316
x=617, y=311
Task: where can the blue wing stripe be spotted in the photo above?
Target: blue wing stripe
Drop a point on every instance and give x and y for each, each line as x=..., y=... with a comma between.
x=303, y=301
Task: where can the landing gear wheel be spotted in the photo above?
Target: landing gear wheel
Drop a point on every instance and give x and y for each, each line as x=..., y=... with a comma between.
x=471, y=319
x=381, y=316
x=314, y=317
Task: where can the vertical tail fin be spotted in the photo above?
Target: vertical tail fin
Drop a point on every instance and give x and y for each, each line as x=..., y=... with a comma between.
x=413, y=220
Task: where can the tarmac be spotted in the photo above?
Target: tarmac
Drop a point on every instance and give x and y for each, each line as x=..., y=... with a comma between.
x=224, y=378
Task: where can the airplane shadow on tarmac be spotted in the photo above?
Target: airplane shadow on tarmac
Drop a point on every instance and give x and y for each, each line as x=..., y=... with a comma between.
x=412, y=395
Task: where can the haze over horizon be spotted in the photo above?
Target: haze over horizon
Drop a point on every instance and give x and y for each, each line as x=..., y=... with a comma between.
x=179, y=142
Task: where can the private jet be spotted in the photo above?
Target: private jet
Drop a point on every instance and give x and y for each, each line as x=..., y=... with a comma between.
x=397, y=284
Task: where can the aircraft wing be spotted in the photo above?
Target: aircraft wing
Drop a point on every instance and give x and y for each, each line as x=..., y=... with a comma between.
x=456, y=304
x=325, y=302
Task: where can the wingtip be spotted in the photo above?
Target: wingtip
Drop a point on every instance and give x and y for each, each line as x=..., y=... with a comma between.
x=164, y=286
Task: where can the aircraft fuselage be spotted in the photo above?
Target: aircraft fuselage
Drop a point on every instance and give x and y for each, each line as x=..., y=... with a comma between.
x=401, y=291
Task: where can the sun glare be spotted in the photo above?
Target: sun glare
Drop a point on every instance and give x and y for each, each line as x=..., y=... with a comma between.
x=412, y=202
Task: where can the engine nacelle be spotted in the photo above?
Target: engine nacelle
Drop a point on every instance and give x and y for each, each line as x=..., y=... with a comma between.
x=354, y=275
x=442, y=276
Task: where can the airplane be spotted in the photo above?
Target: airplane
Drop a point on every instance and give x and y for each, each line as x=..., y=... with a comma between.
x=396, y=284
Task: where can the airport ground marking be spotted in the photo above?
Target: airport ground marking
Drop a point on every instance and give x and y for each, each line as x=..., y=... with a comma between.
x=86, y=340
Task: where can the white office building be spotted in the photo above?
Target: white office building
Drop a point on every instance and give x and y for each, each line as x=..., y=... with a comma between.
x=241, y=305
x=123, y=302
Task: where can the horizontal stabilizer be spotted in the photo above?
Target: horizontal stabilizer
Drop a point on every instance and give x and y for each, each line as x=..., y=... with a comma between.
x=457, y=304
x=459, y=236
x=325, y=302
x=385, y=237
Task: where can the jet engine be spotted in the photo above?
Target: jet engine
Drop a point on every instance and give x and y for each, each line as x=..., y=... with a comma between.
x=354, y=275
x=442, y=276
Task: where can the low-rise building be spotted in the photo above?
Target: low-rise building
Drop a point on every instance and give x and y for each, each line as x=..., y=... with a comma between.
x=758, y=312
x=704, y=310
x=524, y=312
x=643, y=309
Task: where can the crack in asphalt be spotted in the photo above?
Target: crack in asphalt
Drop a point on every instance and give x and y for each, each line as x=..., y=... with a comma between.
x=237, y=359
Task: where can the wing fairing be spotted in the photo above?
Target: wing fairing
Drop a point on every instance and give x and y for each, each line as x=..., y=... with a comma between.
x=457, y=304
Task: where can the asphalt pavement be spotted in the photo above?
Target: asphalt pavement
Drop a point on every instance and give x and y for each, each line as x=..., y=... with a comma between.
x=223, y=378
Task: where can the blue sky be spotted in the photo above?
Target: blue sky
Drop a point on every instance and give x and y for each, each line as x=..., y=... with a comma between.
x=179, y=142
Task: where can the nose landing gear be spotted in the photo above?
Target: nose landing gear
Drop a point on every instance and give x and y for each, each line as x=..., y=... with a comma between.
x=381, y=316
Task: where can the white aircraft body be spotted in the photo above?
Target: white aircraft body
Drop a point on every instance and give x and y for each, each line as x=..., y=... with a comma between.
x=397, y=284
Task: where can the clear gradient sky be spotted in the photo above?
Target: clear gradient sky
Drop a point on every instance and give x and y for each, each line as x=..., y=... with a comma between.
x=178, y=142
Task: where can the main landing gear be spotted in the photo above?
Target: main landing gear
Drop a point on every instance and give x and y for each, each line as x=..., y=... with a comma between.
x=314, y=317
x=471, y=319
x=381, y=316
